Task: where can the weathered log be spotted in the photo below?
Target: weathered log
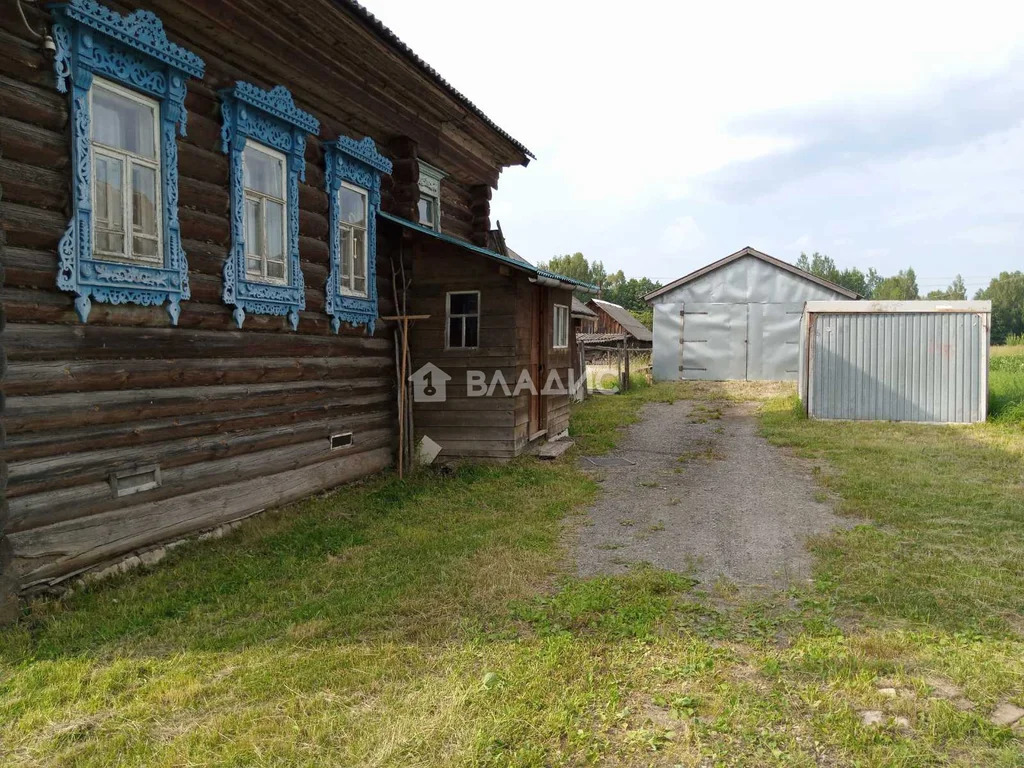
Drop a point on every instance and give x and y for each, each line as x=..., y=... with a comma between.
x=68, y=546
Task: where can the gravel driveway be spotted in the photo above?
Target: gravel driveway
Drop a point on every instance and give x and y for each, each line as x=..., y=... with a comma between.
x=697, y=490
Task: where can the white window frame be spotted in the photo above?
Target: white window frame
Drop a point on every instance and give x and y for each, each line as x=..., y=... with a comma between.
x=127, y=158
x=448, y=321
x=261, y=198
x=349, y=289
x=560, y=309
x=430, y=189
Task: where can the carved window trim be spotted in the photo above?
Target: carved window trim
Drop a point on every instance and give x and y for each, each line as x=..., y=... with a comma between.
x=133, y=51
x=272, y=119
x=430, y=191
x=359, y=164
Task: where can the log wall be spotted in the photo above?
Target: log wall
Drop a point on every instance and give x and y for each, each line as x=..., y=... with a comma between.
x=236, y=420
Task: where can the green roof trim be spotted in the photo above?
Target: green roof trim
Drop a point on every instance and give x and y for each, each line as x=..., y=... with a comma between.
x=508, y=260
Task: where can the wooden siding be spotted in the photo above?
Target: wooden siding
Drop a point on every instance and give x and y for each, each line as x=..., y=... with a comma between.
x=237, y=420
x=494, y=427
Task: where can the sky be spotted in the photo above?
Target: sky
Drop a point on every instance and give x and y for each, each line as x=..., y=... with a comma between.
x=670, y=134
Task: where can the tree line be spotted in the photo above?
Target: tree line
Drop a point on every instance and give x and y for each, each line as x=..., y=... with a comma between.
x=1006, y=292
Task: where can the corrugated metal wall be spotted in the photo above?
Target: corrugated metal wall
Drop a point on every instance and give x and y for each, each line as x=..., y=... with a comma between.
x=898, y=366
x=740, y=321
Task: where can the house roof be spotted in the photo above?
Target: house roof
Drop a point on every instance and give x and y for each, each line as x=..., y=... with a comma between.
x=748, y=251
x=518, y=263
x=579, y=309
x=376, y=26
x=623, y=317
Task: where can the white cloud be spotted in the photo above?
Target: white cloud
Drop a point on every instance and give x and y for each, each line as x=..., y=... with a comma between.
x=631, y=113
x=681, y=236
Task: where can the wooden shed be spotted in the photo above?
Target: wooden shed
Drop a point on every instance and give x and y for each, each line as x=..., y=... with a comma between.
x=614, y=318
x=203, y=205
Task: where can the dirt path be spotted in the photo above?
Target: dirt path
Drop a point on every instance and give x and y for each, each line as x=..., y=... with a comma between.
x=697, y=490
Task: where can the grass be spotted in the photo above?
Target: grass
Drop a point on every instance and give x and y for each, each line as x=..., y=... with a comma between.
x=1006, y=385
x=432, y=623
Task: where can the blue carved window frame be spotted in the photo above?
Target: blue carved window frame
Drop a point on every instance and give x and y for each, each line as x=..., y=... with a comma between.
x=358, y=163
x=270, y=118
x=134, y=51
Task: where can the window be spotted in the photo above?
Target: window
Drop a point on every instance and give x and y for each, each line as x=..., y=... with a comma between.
x=266, y=229
x=430, y=196
x=463, y=328
x=126, y=166
x=428, y=211
x=353, y=239
x=353, y=176
x=264, y=134
x=561, y=326
x=126, y=102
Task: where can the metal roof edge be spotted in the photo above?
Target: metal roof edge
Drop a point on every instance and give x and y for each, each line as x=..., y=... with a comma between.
x=893, y=307
x=522, y=266
x=748, y=251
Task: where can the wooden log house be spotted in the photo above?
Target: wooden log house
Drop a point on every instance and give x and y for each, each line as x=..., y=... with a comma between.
x=202, y=207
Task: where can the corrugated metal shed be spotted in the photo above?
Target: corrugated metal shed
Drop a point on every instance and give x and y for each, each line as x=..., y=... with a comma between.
x=924, y=361
x=737, y=318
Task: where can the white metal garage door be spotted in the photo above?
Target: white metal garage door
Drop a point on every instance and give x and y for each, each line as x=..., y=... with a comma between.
x=721, y=341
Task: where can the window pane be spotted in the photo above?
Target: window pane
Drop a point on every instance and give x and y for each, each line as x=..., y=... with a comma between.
x=121, y=122
x=262, y=172
x=426, y=209
x=471, y=329
x=143, y=199
x=353, y=206
x=253, y=266
x=462, y=303
x=275, y=230
x=454, y=331
x=359, y=252
x=107, y=181
x=109, y=242
x=253, y=227
x=275, y=269
x=347, y=244
x=144, y=247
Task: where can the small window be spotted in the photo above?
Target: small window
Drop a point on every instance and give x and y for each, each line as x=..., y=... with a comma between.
x=463, y=328
x=126, y=178
x=266, y=205
x=561, y=326
x=428, y=211
x=352, y=202
x=429, y=207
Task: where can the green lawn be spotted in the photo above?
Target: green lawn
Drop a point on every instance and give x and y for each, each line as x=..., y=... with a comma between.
x=431, y=623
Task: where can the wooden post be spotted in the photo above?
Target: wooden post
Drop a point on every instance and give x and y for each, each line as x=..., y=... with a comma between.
x=626, y=353
x=403, y=403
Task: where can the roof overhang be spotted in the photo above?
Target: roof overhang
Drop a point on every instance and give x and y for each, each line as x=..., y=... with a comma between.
x=539, y=276
x=748, y=251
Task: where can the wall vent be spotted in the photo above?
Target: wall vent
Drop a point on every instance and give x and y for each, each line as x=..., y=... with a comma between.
x=124, y=482
x=342, y=440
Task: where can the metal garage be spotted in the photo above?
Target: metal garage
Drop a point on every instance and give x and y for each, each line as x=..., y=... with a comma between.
x=738, y=318
x=896, y=360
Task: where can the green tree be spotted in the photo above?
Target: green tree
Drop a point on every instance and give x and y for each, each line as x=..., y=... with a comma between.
x=615, y=287
x=900, y=287
x=956, y=291
x=1006, y=293
x=823, y=266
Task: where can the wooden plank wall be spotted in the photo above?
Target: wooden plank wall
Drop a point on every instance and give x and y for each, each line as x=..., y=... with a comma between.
x=237, y=420
x=481, y=427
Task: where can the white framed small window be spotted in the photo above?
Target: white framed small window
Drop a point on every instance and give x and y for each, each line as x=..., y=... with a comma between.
x=462, y=330
x=264, y=179
x=126, y=183
x=353, y=205
x=560, y=326
x=429, y=207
